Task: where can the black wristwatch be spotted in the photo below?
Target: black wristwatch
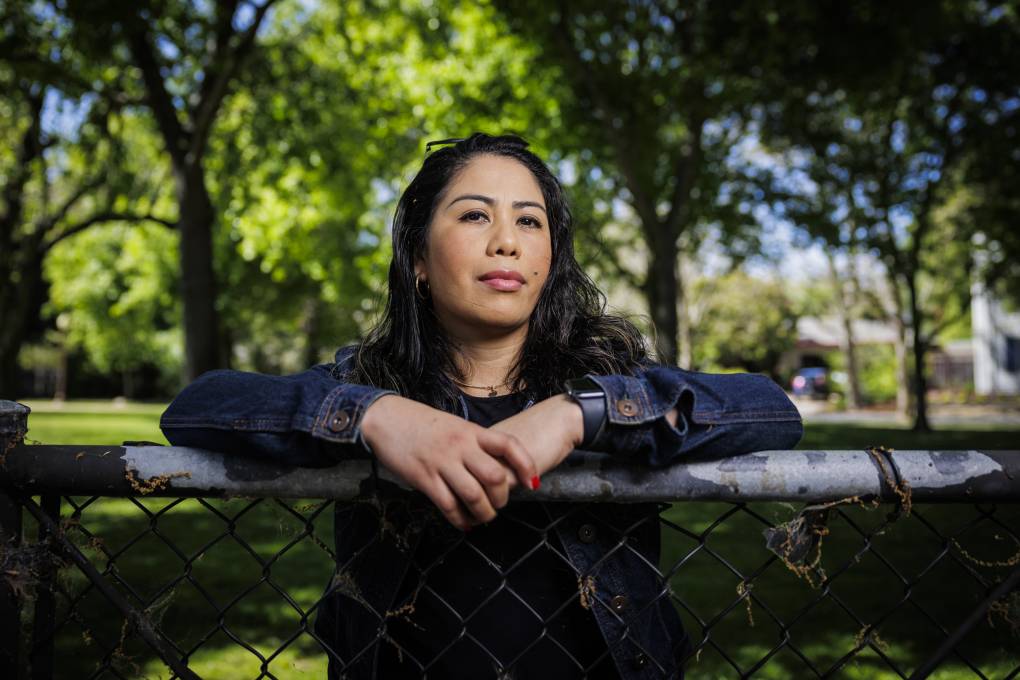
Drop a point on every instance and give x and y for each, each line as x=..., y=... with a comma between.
x=592, y=400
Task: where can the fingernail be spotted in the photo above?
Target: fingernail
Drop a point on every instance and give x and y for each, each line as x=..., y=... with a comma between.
x=535, y=483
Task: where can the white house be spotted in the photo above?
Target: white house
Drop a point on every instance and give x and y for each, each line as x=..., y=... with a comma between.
x=996, y=340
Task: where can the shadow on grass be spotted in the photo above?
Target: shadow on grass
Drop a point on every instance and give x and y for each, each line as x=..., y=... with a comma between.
x=903, y=578
x=208, y=582
x=842, y=436
x=218, y=591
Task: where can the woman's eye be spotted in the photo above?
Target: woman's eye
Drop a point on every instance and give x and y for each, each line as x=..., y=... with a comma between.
x=479, y=216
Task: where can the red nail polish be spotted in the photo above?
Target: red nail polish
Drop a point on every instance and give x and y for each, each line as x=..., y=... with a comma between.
x=535, y=483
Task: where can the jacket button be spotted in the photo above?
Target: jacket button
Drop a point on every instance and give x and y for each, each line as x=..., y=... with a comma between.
x=640, y=661
x=618, y=603
x=627, y=407
x=340, y=421
x=586, y=533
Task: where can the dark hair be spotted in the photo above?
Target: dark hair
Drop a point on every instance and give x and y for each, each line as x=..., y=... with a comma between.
x=569, y=333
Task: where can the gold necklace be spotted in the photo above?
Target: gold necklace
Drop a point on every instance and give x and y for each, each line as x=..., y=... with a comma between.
x=491, y=388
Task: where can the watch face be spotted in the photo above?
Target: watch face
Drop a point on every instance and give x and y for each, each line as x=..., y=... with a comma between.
x=584, y=387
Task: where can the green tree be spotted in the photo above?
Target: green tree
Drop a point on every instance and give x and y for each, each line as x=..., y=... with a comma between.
x=179, y=60
x=302, y=244
x=114, y=289
x=65, y=171
x=657, y=94
x=880, y=149
x=743, y=322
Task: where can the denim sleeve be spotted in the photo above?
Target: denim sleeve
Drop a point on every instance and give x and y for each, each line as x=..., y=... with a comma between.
x=721, y=415
x=309, y=418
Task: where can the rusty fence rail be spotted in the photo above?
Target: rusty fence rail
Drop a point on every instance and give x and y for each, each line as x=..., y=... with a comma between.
x=150, y=561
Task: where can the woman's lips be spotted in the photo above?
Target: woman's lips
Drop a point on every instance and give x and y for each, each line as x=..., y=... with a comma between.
x=503, y=284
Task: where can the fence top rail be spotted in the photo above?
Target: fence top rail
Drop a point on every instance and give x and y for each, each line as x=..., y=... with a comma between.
x=798, y=476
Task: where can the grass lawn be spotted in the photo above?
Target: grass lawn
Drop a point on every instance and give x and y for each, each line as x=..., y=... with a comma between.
x=94, y=422
x=177, y=559
x=852, y=436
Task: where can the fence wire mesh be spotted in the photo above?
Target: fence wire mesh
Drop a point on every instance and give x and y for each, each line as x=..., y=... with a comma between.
x=233, y=588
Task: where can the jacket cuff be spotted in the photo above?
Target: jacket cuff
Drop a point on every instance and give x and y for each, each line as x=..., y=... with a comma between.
x=629, y=407
x=339, y=418
x=726, y=414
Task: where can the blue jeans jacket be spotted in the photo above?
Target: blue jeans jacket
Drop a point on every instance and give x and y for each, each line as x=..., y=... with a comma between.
x=314, y=419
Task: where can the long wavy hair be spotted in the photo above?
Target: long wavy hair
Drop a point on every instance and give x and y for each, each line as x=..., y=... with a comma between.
x=569, y=333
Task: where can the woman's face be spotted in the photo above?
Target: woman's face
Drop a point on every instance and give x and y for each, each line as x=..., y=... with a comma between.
x=488, y=250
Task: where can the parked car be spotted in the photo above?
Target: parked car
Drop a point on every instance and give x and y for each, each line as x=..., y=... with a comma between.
x=811, y=382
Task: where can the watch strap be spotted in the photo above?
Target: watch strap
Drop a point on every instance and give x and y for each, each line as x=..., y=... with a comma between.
x=592, y=400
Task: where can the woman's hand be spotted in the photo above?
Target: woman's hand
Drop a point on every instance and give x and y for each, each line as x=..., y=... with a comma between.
x=550, y=430
x=460, y=466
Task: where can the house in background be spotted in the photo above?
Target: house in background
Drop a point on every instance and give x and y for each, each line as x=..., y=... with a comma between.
x=996, y=343
x=817, y=336
x=951, y=364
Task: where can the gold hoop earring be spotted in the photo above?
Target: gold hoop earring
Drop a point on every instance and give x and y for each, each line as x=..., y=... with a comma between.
x=417, y=287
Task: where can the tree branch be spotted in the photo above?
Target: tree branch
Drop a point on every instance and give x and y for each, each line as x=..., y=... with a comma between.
x=13, y=190
x=105, y=216
x=684, y=175
x=218, y=49
x=47, y=223
x=892, y=250
x=643, y=204
x=619, y=270
x=29, y=149
x=225, y=63
x=174, y=134
x=942, y=325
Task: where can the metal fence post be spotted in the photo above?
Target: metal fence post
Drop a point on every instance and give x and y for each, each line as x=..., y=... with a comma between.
x=40, y=655
x=13, y=426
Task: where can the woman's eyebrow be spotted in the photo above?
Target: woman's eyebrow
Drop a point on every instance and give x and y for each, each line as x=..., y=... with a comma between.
x=488, y=200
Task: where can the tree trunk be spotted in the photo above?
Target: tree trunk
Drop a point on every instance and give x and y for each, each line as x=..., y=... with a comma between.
x=60, y=380
x=686, y=358
x=904, y=400
x=920, y=349
x=662, y=294
x=226, y=347
x=20, y=258
x=904, y=407
x=11, y=338
x=310, y=329
x=854, y=399
x=847, y=342
x=21, y=298
x=198, y=282
x=127, y=384
x=8, y=374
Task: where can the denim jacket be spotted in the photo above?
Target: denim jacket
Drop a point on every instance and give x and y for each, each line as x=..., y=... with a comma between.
x=314, y=419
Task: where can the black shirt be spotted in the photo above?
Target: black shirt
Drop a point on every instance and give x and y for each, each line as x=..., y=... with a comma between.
x=503, y=584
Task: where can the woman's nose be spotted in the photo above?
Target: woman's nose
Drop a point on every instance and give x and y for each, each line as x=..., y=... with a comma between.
x=504, y=239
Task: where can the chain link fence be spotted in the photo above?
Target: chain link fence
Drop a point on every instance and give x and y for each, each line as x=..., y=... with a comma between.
x=157, y=562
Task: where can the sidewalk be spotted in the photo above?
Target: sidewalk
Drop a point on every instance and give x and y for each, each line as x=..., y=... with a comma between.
x=818, y=411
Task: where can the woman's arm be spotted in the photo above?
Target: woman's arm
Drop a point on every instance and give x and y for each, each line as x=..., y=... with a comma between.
x=309, y=418
x=312, y=419
x=662, y=414
x=724, y=414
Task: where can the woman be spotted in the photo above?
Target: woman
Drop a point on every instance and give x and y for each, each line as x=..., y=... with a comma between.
x=494, y=360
